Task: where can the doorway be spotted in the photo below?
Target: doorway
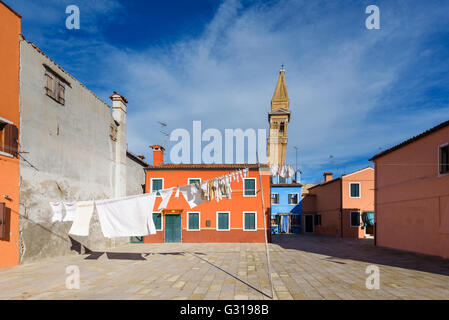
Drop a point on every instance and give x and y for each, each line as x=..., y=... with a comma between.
x=308, y=223
x=172, y=228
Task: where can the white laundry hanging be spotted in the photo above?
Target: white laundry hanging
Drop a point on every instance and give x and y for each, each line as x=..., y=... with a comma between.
x=56, y=207
x=127, y=216
x=165, y=194
x=83, y=215
x=192, y=194
x=70, y=210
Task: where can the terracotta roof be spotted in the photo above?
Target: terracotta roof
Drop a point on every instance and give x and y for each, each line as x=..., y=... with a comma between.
x=339, y=178
x=210, y=166
x=413, y=139
x=286, y=185
x=11, y=9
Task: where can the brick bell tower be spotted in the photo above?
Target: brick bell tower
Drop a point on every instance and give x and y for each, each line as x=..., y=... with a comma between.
x=278, y=117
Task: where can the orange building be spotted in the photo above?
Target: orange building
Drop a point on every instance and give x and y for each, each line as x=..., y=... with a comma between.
x=239, y=219
x=412, y=194
x=10, y=24
x=341, y=207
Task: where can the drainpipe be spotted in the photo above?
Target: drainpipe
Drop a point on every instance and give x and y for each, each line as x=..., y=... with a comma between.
x=341, y=208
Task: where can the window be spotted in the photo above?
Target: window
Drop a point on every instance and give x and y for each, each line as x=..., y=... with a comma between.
x=157, y=184
x=318, y=219
x=275, y=198
x=157, y=219
x=2, y=220
x=249, y=221
x=249, y=187
x=282, y=127
x=355, y=219
x=293, y=198
x=193, y=222
x=354, y=190
x=282, y=180
x=296, y=219
x=55, y=86
x=444, y=159
x=9, y=137
x=194, y=180
x=223, y=221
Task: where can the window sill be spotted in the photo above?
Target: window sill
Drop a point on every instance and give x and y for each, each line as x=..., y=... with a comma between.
x=5, y=154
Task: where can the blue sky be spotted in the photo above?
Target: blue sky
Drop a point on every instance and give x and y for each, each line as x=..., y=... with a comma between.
x=353, y=91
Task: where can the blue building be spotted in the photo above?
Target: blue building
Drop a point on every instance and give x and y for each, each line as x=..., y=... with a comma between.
x=286, y=205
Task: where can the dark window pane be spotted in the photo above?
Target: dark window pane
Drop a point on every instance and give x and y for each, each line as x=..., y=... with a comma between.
x=193, y=181
x=355, y=219
x=355, y=190
x=194, y=221
x=223, y=223
x=157, y=185
x=250, y=187
x=293, y=198
x=250, y=221
x=444, y=159
x=157, y=219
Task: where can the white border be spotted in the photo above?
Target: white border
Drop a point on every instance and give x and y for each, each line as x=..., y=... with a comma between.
x=3, y=120
x=188, y=182
x=255, y=187
x=199, y=220
x=6, y=154
x=255, y=220
x=272, y=198
x=296, y=198
x=439, y=160
x=151, y=185
x=162, y=221
x=360, y=190
x=313, y=222
x=229, y=221
x=350, y=218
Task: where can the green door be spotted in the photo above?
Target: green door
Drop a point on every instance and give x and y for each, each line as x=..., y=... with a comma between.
x=172, y=228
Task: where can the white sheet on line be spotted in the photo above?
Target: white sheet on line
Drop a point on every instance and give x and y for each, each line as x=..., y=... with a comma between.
x=127, y=216
x=56, y=208
x=70, y=210
x=83, y=215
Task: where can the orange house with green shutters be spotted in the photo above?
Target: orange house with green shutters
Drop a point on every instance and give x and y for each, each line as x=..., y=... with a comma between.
x=10, y=25
x=239, y=219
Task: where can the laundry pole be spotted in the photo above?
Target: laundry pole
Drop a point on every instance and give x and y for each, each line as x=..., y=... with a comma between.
x=265, y=227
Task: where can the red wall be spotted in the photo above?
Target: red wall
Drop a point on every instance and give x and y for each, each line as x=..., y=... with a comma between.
x=236, y=206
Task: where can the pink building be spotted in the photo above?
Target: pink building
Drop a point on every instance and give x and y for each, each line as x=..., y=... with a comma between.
x=412, y=194
x=339, y=207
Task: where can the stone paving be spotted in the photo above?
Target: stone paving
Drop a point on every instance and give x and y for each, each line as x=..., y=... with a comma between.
x=303, y=267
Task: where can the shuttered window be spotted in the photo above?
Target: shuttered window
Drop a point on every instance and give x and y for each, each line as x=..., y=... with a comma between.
x=354, y=190
x=157, y=219
x=223, y=221
x=250, y=187
x=54, y=87
x=292, y=198
x=250, y=221
x=275, y=198
x=444, y=159
x=355, y=219
x=9, y=138
x=194, y=221
x=157, y=184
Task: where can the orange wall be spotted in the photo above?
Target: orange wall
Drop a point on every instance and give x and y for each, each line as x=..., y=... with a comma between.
x=9, y=109
x=333, y=203
x=237, y=205
x=412, y=201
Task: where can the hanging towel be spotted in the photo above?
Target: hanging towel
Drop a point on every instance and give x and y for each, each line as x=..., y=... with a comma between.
x=56, y=207
x=127, y=216
x=70, y=209
x=246, y=172
x=290, y=171
x=83, y=215
x=177, y=193
x=205, y=191
x=237, y=176
x=165, y=194
x=274, y=170
x=192, y=194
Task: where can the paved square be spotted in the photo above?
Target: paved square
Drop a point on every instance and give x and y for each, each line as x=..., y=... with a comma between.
x=303, y=267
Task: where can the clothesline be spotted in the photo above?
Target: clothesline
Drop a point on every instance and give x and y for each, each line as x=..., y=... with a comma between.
x=138, y=219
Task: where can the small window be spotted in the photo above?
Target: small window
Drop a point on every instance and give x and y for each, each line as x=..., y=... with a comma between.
x=157, y=184
x=354, y=190
x=194, y=180
x=282, y=180
x=355, y=219
x=223, y=221
x=249, y=219
x=282, y=127
x=194, y=221
x=275, y=198
x=2, y=221
x=157, y=219
x=296, y=220
x=250, y=187
x=293, y=198
x=9, y=138
x=444, y=159
x=54, y=87
x=318, y=219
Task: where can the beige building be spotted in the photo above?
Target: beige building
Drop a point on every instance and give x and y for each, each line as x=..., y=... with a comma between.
x=278, y=117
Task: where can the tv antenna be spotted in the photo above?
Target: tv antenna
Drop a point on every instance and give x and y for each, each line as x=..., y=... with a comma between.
x=164, y=135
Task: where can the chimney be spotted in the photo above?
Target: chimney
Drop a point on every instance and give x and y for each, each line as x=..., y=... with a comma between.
x=118, y=107
x=158, y=154
x=327, y=176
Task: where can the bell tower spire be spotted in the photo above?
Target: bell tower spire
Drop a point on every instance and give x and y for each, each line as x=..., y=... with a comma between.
x=278, y=117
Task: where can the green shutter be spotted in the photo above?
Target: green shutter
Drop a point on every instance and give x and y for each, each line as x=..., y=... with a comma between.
x=250, y=187
x=157, y=221
x=355, y=190
x=157, y=185
x=194, y=221
x=223, y=221
x=250, y=221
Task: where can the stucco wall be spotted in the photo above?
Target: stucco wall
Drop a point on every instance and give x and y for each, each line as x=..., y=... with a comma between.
x=135, y=175
x=412, y=200
x=68, y=155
